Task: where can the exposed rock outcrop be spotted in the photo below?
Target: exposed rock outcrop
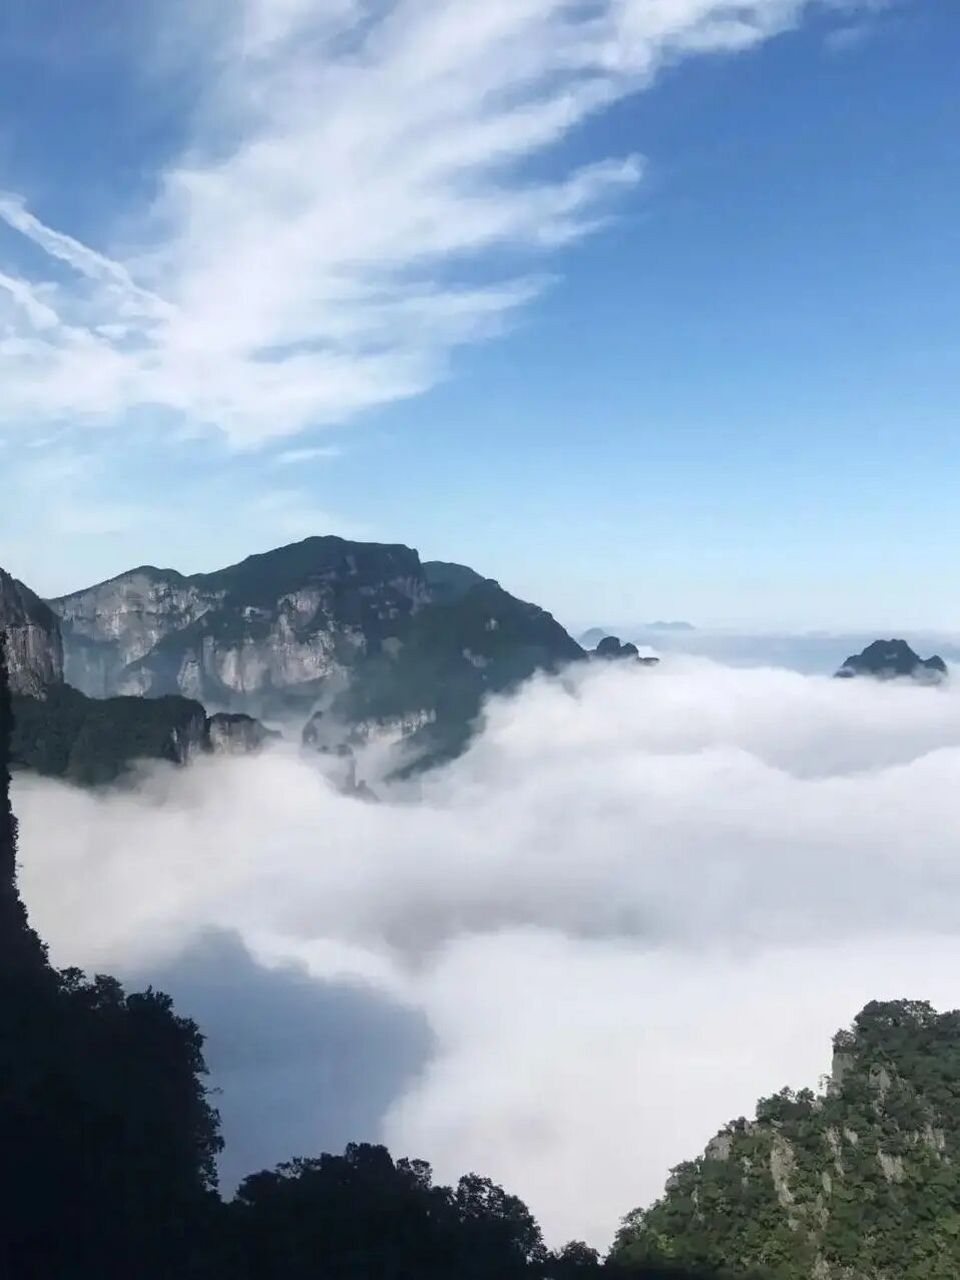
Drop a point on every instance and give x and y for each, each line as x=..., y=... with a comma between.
x=59, y=730
x=34, y=648
x=236, y=734
x=362, y=630
x=285, y=621
x=859, y=1183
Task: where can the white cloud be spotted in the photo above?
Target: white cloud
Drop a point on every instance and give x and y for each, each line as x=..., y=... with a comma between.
x=641, y=900
x=309, y=453
x=324, y=240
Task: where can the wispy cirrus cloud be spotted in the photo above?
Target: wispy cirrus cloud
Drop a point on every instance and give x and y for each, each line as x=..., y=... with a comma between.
x=353, y=204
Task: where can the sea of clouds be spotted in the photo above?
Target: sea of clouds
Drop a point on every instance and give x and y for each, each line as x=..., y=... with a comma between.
x=642, y=899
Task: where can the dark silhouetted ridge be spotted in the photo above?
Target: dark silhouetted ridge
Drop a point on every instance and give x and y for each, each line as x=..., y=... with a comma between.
x=893, y=659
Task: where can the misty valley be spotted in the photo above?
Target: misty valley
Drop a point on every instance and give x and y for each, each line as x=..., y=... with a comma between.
x=423, y=873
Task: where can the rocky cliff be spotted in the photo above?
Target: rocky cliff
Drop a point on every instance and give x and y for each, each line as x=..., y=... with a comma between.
x=860, y=1182
x=365, y=632
x=34, y=649
x=289, y=620
x=234, y=734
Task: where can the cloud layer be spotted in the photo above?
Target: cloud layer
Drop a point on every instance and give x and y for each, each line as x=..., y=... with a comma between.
x=642, y=899
x=354, y=199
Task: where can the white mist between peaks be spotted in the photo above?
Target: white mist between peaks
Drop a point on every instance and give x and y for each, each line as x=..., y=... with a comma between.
x=641, y=900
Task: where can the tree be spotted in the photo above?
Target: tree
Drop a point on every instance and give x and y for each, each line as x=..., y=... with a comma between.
x=107, y=1139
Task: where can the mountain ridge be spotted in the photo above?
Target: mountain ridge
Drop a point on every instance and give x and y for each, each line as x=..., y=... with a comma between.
x=891, y=660
x=365, y=632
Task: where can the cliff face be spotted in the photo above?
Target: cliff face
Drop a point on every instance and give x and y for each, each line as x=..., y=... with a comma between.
x=859, y=1183
x=34, y=648
x=58, y=730
x=234, y=734
x=114, y=624
x=291, y=620
x=363, y=630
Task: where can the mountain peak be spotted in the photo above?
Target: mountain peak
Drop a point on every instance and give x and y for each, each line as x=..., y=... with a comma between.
x=892, y=659
x=363, y=629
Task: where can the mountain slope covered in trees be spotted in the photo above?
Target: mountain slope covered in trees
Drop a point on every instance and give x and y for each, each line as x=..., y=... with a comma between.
x=859, y=1183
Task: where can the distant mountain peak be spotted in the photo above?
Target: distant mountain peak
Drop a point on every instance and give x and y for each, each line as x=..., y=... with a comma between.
x=592, y=637
x=893, y=659
x=610, y=648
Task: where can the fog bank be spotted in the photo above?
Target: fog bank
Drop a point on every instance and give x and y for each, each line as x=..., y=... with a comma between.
x=640, y=900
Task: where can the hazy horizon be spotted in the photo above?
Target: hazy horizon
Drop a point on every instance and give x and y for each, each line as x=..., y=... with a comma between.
x=579, y=622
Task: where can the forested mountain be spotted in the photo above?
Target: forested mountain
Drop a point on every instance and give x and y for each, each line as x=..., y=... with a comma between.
x=376, y=639
x=861, y=1182
x=95, y=741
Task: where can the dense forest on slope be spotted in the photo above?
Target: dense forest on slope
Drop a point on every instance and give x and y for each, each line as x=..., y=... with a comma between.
x=859, y=1183
x=92, y=741
x=108, y=1146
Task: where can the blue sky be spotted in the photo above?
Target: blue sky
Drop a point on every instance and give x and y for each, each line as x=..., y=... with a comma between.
x=644, y=308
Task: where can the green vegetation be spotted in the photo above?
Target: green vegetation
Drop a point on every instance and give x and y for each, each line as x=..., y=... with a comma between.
x=447, y=581
x=93, y=741
x=452, y=655
x=260, y=580
x=861, y=1183
x=362, y=629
